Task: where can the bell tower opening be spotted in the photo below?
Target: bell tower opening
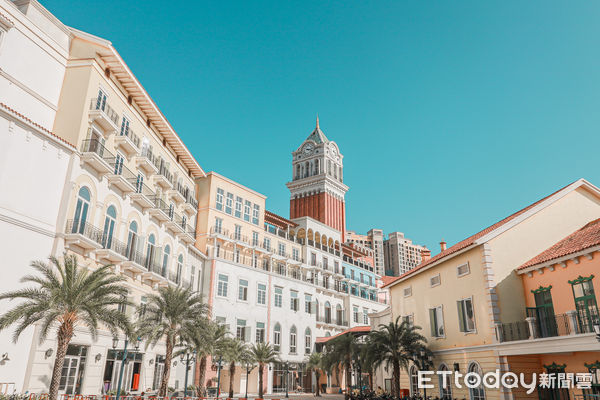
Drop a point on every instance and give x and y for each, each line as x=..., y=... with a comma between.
x=317, y=187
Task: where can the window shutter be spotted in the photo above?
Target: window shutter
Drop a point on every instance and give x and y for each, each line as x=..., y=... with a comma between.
x=247, y=331
x=313, y=307
x=432, y=322
x=461, y=316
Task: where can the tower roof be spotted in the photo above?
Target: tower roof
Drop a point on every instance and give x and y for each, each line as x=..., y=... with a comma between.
x=317, y=135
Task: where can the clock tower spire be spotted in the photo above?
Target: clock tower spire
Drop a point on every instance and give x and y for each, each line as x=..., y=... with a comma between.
x=317, y=187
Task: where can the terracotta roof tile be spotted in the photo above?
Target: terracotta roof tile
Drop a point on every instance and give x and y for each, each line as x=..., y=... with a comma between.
x=23, y=117
x=471, y=239
x=586, y=237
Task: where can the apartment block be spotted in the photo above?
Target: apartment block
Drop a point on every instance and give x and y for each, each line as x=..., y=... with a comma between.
x=401, y=254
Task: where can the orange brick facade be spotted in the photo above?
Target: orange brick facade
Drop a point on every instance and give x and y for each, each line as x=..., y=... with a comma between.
x=323, y=207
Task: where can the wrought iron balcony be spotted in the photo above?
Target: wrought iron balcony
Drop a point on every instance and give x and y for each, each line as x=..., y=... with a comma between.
x=94, y=154
x=103, y=115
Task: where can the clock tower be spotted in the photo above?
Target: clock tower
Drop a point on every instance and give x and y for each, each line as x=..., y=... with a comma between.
x=317, y=188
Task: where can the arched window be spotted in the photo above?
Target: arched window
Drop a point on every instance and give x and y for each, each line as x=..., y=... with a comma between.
x=335, y=169
x=327, y=334
x=132, y=240
x=476, y=393
x=306, y=169
x=109, y=227
x=445, y=390
x=316, y=307
x=165, y=261
x=327, y=312
x=297, y=172
x=277, y=336
x=317, y=167
x=150, y=251
x=293, y=336
x=414, y=380
x=81, y=210
x=307, y=341
x=339, y=315
x=179, y=269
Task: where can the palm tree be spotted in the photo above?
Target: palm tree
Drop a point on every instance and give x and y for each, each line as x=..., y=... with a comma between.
x=69, y=296
x=263, y=354
x=208, y=341
x=342, y=350
x=395, y=344
x=315, y=363
x=235, y=351
x=170, y=314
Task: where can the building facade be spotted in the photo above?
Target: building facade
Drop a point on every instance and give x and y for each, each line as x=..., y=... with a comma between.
x=461, y=296
x=373, y=240
x=401, y=255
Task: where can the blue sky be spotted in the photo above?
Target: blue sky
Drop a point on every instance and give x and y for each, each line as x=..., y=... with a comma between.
x=450, y=115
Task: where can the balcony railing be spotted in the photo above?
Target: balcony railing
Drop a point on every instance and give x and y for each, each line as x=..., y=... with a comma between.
x=85, y=229
x=535, y=327
x=518, y=330
x=96, y=146
x=104, y=108
x=141, y=187
x=162, y=170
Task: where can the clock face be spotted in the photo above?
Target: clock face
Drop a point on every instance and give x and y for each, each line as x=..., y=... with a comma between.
x=308, y=149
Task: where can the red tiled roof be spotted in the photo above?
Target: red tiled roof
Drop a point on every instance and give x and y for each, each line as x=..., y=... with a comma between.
x=28, y=120
x=356, y=329
x=586, y=237
x=471, y=239
x=278, y=220
x=388, y=279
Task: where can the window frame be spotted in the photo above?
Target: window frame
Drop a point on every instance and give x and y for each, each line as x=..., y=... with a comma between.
x=226, y=285
x=463, y=323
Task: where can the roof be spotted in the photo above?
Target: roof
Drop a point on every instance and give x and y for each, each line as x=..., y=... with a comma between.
x=357, y=329
x=584, y=238
x=35, y=124
x=278, y=220
x=497, y=227
x=317, y=135
x=134, y=88
x=388, y=279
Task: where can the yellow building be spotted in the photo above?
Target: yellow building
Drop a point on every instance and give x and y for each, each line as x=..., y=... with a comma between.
x=463, y=294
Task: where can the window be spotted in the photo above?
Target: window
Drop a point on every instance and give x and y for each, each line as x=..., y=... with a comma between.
x=139, y=183
x=409, y=319
x=118, y=164
x=109, y=227
x=247, y=211
x=222, y=285
x=260, y=332
x=293, y=340
x=296, y=254
x=307, y=341
x=238, y=232
x=242, y=331
x=278, y=297
x=125, y=127
x=325, y=262
x=192, y=275
x=466, y=318
x=293, y=300
x=220, y=194
x=444, y=384
x=313, y=259
x=255, y=214
x=267, y=244
x=355, y=314
x=81, y=210
x=238, y=207
x=408, y=291
x=277, y=336
x=261, y=294
x=179, y=268
x=243, y=290
x=436, y=321
x=585, y=303
x=219, y=225
x=463, y=270
x=101, y=100
x=132, y=240
x=229, y=203
x=365, y=316
x=281, y=249
x=434, y=280
x=165, y=263
x=254, y=238
x=476, y=393
x=308, y=303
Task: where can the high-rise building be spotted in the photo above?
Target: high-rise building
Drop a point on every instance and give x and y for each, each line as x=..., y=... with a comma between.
x=401, y=254
x=373, y=240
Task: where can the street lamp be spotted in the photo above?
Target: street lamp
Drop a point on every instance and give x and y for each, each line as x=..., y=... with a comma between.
x=249, y=368
x=287, y=378
x=115, y=343
x=219, y=366
x=186, y=357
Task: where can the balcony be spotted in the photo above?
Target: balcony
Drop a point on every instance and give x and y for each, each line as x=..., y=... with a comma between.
x=143, y=196
x=176, y=224
x=81, y=234
x=147, y=162
x=104, y=116
x=154, y=272
x=121, y=177
x=175, y=277
x=177, y=194
x=219, y=231
x=163, y=178
x=160, y=209
x=128, y=142
x=191, y=205
x=189, y=234
x=94, y=154
x=113, y=251
x=135, y=261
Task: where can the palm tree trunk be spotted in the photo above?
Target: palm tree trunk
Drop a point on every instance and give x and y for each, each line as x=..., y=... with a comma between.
x=396, y=378
x=261, y=370
x=371, y=380
x=162, y=392
x=201, y=375
x=317, y=375
x=231, y=376
x=65, y=334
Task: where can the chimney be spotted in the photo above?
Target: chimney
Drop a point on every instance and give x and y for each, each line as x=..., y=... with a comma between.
x=425, y=254
x=443, y=245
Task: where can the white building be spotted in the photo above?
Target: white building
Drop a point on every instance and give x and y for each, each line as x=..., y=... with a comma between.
x=401, y=255
x=373, y=240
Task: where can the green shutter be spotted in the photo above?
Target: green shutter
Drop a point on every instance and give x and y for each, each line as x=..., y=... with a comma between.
x=461, y=316
x=432, y=322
